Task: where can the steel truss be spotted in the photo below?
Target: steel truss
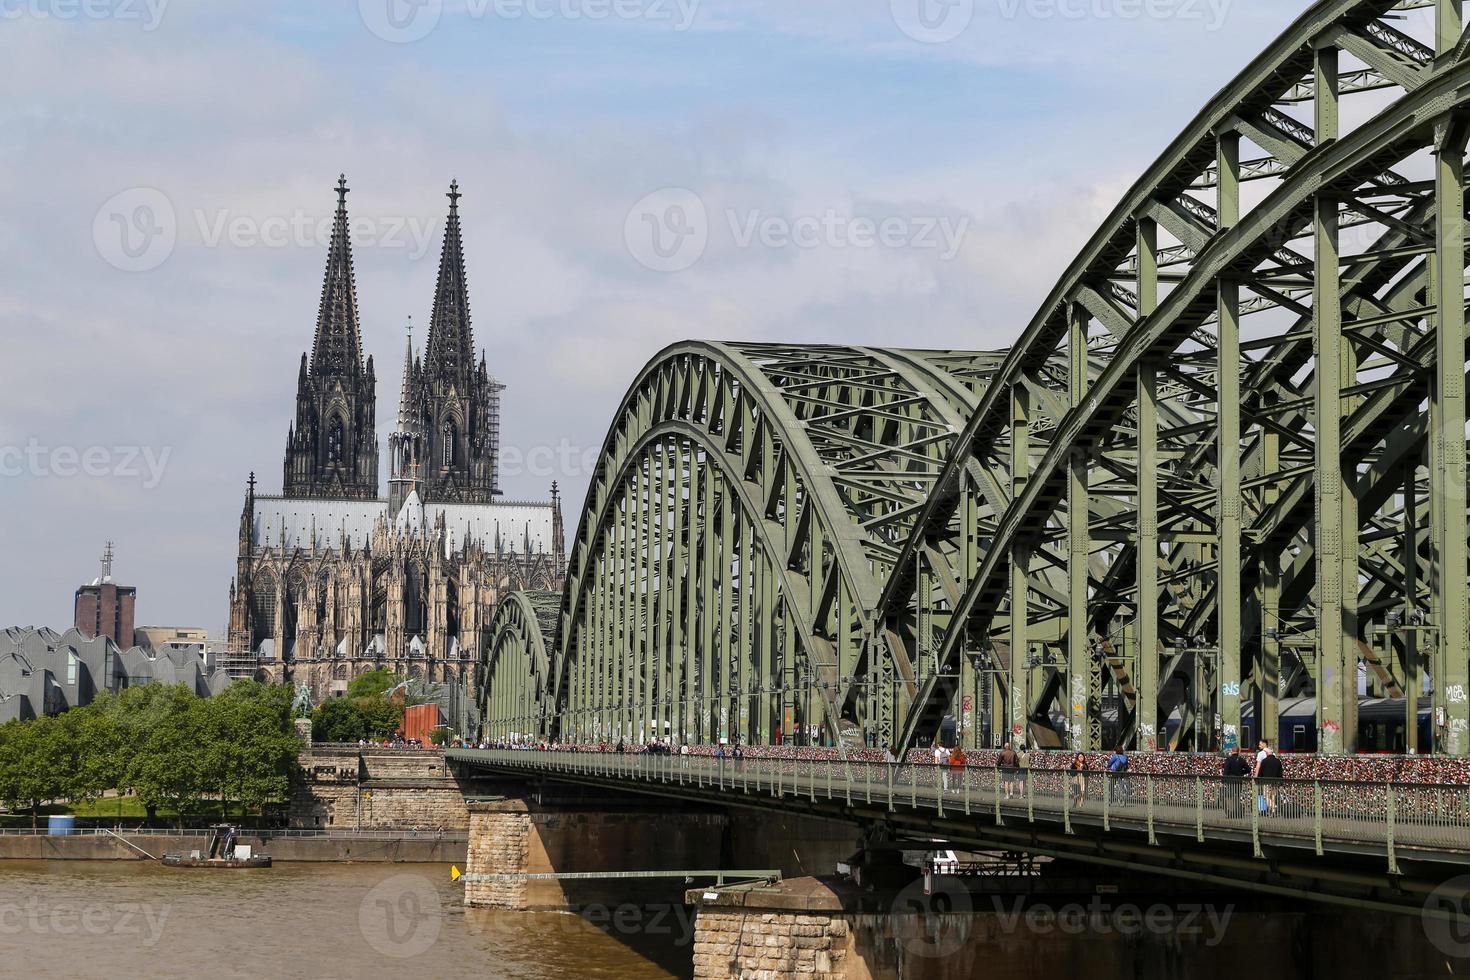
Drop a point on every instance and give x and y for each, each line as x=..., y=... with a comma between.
x=1224, y=464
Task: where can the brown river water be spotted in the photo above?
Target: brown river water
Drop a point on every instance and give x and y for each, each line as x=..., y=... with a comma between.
x=322, y=921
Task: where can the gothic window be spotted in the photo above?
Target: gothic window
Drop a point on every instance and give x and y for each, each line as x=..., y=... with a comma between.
x=262, y=612
x=334, y=441
x=449, y=437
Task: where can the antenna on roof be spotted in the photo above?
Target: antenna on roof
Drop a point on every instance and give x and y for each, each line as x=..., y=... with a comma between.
x=107, y=562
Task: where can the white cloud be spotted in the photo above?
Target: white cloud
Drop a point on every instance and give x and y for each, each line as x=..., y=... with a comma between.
x=787, y=109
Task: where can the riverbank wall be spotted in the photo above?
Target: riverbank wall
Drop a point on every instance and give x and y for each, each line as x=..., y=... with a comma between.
x=89, y=846
x=353, y=787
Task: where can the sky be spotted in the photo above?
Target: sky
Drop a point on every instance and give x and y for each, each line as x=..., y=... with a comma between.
x=910, y=173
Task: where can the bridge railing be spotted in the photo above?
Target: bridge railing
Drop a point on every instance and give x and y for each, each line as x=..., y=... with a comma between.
x=1319, y=813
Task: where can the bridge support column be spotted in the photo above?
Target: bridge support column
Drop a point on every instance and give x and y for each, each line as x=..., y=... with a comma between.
x=797, y=929
x=500, y=836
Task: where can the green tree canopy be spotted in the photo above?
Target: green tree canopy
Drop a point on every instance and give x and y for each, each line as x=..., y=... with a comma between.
x=372, y=683
x=338, y=720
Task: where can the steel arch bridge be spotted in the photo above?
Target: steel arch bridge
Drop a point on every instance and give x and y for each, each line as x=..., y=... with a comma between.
x=1223, y=465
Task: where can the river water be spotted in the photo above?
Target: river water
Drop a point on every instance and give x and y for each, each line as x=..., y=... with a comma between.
x=322, y=921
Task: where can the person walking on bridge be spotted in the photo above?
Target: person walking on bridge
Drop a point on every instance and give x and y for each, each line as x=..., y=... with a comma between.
x=1078, y=779
x=1268, y=774
x=957, y=762
x=941, y=765
x=1006, y=762
x=1118, y=776
x=1235, y=771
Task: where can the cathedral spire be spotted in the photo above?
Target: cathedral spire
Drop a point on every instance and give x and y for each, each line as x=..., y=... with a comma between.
x=558, y=531
x=337, y=349
x=405, y=396
x=332, y=448
x=450, y=351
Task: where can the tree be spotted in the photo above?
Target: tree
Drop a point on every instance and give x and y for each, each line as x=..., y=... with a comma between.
x=33, y=764
x=253, y=745
x=94, y=749
x=338, y=720
x=383, y=717
x=169, y=767
x=371, y=684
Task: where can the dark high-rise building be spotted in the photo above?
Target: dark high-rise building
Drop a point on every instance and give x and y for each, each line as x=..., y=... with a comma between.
x=332, y=448
x=104, y=608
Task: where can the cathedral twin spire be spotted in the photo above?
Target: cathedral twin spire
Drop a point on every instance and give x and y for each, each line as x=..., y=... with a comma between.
x=332, y=447
x=337, y=349
x=446, y=442
x=450, y=350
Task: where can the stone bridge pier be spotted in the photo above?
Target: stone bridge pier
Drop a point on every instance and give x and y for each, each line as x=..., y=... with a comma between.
x=521, y=829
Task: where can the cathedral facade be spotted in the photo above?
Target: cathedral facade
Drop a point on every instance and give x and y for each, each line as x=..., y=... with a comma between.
x=333, y=579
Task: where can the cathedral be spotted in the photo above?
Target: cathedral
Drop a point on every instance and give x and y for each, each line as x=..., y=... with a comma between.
x=334, y=580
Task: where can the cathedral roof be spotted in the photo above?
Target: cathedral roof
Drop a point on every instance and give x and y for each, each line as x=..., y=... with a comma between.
x=294, y=520
x=290, y=522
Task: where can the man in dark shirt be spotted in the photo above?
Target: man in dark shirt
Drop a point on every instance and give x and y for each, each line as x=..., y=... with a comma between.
x=1006, y=762
x=1235, y=771
x=1268, y=773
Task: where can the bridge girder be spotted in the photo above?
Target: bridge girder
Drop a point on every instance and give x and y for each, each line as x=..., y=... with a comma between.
x=1287, y=520
x=1253, y=402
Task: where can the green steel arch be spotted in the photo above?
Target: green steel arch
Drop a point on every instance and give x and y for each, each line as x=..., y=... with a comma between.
x=1305, y=526
x=1223, y=465
x=747, y=509
x=515, y=683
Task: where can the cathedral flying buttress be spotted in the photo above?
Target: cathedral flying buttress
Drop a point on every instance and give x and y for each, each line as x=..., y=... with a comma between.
x=333, y=580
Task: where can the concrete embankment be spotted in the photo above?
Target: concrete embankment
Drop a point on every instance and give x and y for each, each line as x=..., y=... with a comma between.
x=88, y=846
